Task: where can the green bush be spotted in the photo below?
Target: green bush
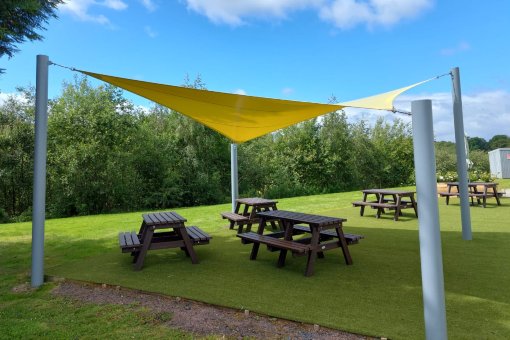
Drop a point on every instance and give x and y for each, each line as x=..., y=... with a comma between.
x=480, y=176
x=474, y=176
x=447, y=176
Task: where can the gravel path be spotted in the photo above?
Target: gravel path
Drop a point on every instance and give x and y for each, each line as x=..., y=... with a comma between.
x=199, y=318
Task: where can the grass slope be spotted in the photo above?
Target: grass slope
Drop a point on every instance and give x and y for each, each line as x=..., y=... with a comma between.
x=379, y=295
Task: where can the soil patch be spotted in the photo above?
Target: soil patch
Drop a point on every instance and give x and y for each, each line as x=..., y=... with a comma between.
x=199, y=318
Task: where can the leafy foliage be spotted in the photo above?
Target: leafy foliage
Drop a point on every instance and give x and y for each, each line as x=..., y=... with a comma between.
x=446, y=162
x=106, y=155
x=21, y=19
x=16, y=154
x=499, y=141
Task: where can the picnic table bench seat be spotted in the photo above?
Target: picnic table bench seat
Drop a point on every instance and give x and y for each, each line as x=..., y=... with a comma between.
x=329, y=234
x=377, y=204
x=130, y=241
x=197, y=235
x=274, y=242
x=470, y=194
x=234, y=217
x=444, y=193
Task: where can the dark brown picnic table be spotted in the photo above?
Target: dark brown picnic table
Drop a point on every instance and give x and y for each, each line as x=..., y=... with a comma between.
x=245, y=212
x=473, y=193
x=387, y=199
x=323, y=229
x=162, y=230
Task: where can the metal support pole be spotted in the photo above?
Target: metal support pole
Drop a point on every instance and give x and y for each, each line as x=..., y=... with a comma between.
x=430, y=238
x=233, y=174
x=39, y=198
x=460, y=148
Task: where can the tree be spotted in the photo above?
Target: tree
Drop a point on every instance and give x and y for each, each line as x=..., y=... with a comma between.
x=91, y=132
x=477, y=143
x=21, y=19
x=16, y=154
x=499, y=141
x=337, y=148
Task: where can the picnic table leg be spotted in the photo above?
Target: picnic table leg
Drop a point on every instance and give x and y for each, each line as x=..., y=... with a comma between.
x=415, y=207
x=233, y=223
x=448, y=196
x=269, y=208
x=289, y=228
x=496, y=195
x=147, y=239
x=397, y=208
x=362, y=208
x=380, y=199
x=141, y=237
x=343, y=244
x=188, y=245
x=475, y=190
x=256, y=245
x=281, y=258
x=484, y=199
x=312, y=253
x=240, y=227
x=400, y=199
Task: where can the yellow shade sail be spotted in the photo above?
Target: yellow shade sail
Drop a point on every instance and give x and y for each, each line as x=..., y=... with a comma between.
x=383, y=101
x=238, y=117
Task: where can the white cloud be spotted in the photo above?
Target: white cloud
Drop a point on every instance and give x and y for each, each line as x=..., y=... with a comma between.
x=232, y=12
x=150, y=32
x=342, y=13
x=485, y=113
x=149, y=5
x=346, y=14
x=80, y=9
x=117, y=5
x=240, y=91
x=16, y=96
x=4, y=97
x=460, y=47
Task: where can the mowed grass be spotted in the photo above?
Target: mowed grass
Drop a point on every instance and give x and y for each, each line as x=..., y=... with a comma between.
x=380, y=295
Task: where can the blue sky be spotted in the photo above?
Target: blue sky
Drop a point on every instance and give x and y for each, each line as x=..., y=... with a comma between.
x=291, y=49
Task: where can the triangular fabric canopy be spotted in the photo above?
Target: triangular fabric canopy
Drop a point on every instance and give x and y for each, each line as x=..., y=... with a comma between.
x=239, y=117
x=383, y=101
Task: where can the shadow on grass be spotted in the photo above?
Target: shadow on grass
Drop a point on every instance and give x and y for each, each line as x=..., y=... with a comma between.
x=379, y=295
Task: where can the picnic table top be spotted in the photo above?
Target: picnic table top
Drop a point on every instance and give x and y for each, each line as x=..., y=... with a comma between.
x=388, y=192
x=316, y=220
x=163, y=218
x=255, y=201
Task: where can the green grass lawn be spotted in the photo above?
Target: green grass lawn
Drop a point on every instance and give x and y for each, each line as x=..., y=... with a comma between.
x=379, y=295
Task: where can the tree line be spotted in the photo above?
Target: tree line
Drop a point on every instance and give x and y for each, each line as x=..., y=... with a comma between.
x=107, y=155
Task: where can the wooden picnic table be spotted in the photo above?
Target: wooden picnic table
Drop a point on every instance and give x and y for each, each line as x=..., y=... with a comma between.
x=473, y=192
x=387, y=199
x=322, y=229
x=245, y=212
x=177, y=235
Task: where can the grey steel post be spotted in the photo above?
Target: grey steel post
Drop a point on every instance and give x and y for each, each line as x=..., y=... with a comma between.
x=460, y=147
x=233, y=174
x=430, y=238
x=39, y=198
